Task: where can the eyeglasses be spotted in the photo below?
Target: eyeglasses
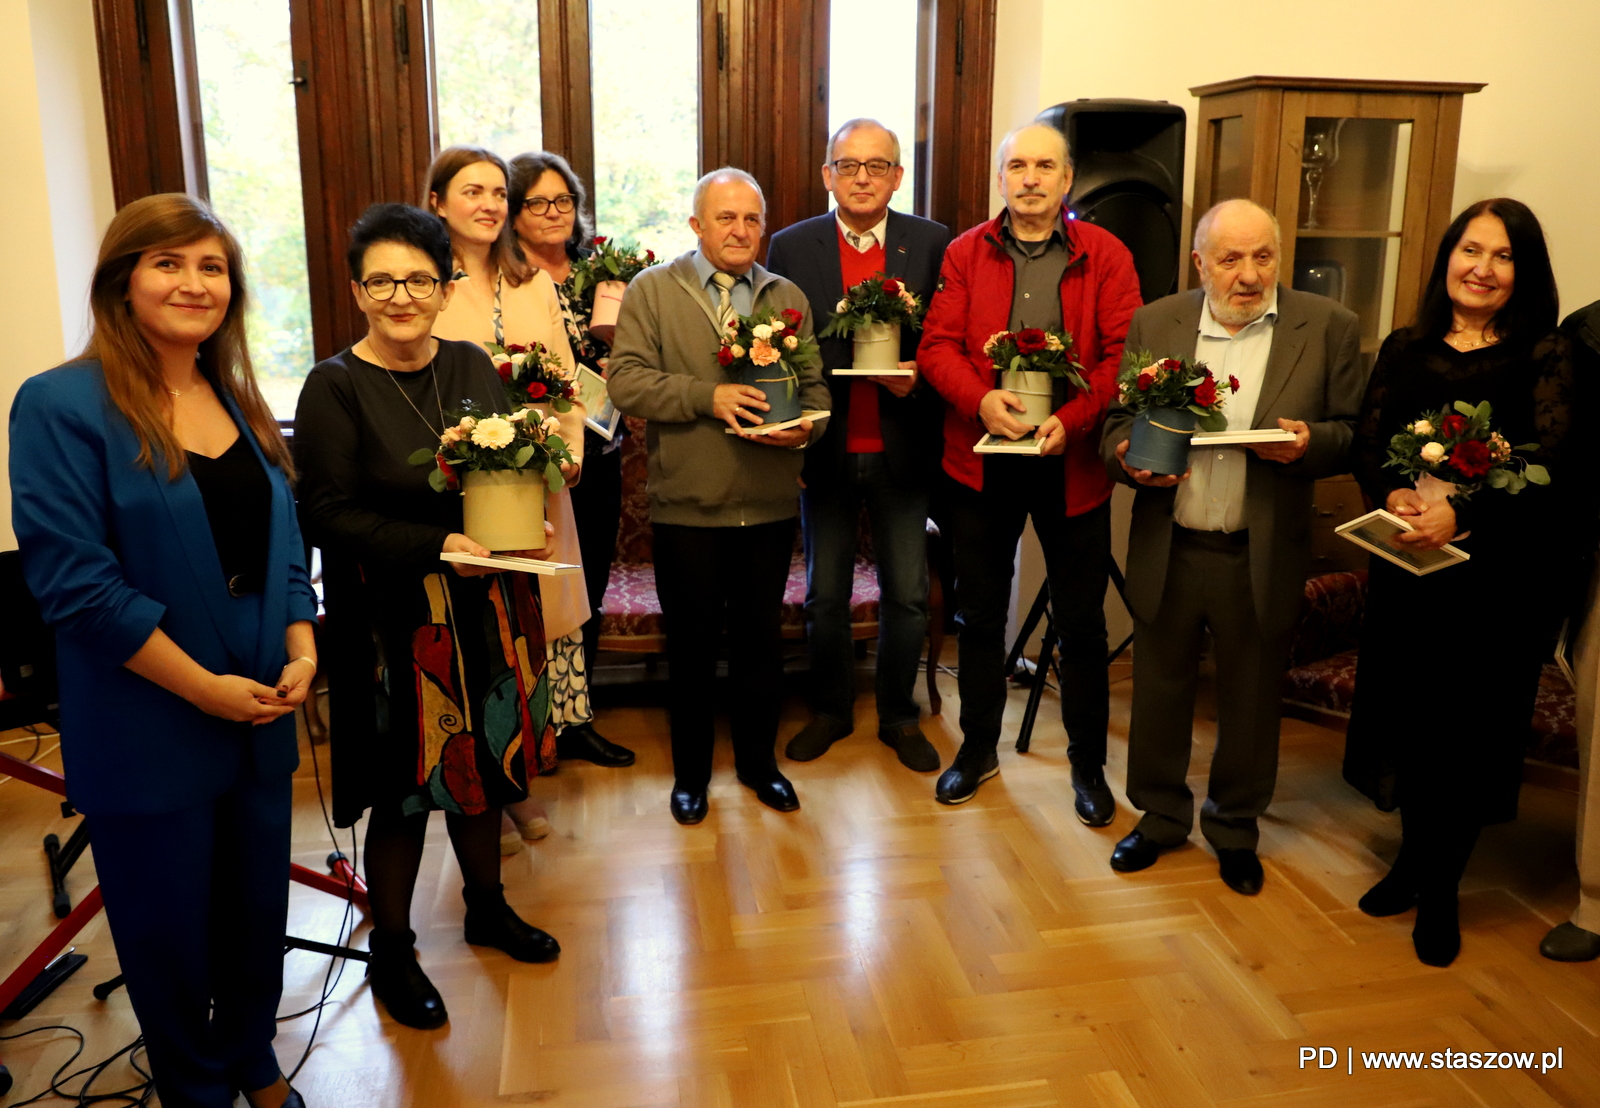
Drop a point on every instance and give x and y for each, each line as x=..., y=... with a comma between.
x=538, y=205
x=419, y=285
x=849, y=167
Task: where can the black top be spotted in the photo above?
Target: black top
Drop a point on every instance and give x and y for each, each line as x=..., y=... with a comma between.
x=238, y=499
x=1040, y=266
x=355, y=427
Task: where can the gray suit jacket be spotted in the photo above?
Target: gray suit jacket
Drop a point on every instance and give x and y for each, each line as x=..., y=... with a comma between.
x=1314, y=373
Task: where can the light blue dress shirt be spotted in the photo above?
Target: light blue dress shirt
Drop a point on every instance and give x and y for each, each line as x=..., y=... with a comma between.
x=742, y=294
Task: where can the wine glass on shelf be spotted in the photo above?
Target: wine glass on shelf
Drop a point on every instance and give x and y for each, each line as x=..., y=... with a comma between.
x=1317, y=156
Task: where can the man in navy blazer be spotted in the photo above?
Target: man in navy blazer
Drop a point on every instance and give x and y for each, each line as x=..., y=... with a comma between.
x=881, y=447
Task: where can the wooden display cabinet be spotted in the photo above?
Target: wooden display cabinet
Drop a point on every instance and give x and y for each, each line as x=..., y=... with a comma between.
x=1361, y=175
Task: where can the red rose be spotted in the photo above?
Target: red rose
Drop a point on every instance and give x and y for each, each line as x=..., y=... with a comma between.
x=891, y=286
x=1233, y=383
x=1205, y=393
x=448, y=470
x=1171, y=365
x=599, y=240
x=725, y=357
x=650, y=255
x=1452, y=425
x=1472, y=458
x=792, y=317
x=536, y=390
x=505, y=371
x=1145, y=381
x=1030, y=340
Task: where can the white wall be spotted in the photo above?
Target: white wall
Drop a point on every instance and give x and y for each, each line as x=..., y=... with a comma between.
x=1530, y=134
x=56, y=189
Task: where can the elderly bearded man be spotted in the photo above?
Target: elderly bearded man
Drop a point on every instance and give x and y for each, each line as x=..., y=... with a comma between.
x=1030, y=267
x=722, y=507
x=881, y=448
x=1225, y=546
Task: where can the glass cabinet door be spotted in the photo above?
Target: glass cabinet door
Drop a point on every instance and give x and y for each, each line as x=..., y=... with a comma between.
x=1350, y=216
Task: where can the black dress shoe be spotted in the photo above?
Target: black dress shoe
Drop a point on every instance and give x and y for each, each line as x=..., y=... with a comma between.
x=688, y=805
x=1396, y=893
x=911, y=746
x=1436, y=936
x=974, y=764
x=1567, y=942
x=399, y=983
x=585, y=743
x=291, y=1100
x=814, y=739
x=1135, y=852
x=1092, y=796
x=775, y=792
x=491, y=922
x=1241, y=870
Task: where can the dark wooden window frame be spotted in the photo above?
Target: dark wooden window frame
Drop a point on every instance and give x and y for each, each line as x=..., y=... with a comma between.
x=367, y=110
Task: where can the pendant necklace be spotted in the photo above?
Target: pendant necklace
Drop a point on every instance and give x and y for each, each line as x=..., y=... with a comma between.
x=434, y=374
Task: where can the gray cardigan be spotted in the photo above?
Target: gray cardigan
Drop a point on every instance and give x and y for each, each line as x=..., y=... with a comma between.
x=664, y=369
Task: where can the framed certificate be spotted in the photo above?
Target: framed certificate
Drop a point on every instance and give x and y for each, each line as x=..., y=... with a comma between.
x=521, y=565
x=603, y=416
x=1375, y=532
x=999, y=444
x=1242, y=437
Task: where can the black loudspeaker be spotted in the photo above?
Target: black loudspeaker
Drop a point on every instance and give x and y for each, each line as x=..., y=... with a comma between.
x=1128, y=178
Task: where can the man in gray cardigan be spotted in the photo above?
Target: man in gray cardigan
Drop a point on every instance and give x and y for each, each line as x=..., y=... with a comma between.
x=722, y=506
x=1225, y=546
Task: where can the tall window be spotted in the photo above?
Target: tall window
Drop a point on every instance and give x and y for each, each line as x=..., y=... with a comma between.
x=252, y=156
x=646, y=88
x=872, y=73
x=486, y=56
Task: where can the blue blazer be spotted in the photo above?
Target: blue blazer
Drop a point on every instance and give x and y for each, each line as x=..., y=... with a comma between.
x=112, y=550
x=913, y=427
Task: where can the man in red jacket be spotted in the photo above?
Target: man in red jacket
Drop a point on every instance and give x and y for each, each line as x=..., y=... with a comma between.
x=1030, y=267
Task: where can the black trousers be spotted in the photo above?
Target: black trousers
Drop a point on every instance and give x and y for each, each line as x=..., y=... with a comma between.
x=197, y=901
x=985, y=528
x=1208, y=587
x=708, y=578
x=597, y=510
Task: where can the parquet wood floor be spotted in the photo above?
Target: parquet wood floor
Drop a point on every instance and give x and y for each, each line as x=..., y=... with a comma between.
x=876, y=949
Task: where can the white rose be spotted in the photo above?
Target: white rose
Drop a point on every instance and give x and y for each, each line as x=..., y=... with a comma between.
x=1422, y=427
x=736, y=350
x=502, y=359
x=791, y=342
x=842, y=306
x=1433, y=452
x=550, y=425
x=466, y=425
x=518, y=416
x=451, y=435
x=493, y=433
x=761, y=331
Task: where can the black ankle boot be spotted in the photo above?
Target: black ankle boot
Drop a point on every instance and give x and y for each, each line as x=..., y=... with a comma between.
x=399, y=983
x=1437, y=934
x=491, y=922
x=1396, y=893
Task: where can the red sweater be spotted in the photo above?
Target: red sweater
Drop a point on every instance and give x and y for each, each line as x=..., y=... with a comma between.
x=863, y=432
x=1099, y=294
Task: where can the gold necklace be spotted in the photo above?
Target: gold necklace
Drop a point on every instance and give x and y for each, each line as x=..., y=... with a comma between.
x=1472, y=344
x=407, y=396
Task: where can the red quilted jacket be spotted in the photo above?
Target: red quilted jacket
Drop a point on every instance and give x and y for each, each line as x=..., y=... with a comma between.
x=1099, y=294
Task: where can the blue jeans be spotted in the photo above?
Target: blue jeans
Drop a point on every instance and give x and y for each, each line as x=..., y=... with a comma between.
x=899, y=518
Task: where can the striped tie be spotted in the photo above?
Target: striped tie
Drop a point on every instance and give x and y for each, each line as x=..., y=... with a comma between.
x=726, y=316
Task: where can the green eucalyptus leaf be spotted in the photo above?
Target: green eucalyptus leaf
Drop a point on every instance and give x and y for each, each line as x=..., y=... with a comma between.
x=552, y=476
x=1526, y=448
x=522, y=456
x=422, y=457
x=556, y=442
x=1498, y=478
x=436, y=481
x=1537, y=474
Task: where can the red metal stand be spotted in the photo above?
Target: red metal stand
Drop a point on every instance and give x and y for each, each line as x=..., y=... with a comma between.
x=342, y=881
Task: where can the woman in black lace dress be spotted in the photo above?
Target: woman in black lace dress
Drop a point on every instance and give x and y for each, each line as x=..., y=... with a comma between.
x=1450, y=662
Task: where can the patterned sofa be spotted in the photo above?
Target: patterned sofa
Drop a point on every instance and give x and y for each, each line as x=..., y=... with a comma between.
x=632, y=616
x=1321, y=681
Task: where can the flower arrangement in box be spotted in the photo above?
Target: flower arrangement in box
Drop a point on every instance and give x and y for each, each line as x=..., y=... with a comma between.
x=1171, y=398
x=532, y=374
x=503, y=464
x=1454, y=453
x=767, y=352
x=1026, y=361
x=873, y=312
x=598, y=280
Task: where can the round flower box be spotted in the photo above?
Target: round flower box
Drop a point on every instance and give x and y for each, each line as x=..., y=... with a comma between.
x=1032, y=387
x=877, y=347
x=1160, y=440
x=607, y=304
x=504, y=508
x=780, y=388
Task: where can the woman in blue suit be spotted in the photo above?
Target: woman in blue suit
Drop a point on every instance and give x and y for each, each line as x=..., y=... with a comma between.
x=151, y=502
